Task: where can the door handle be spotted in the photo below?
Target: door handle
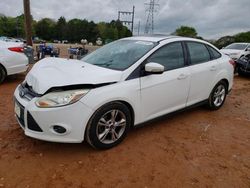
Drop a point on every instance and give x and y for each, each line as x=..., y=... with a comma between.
x=182, y=76
x=213, y=68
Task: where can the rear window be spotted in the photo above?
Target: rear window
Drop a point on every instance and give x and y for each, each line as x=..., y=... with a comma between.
x=236, y=46
x=214, y=53
x=198, y=53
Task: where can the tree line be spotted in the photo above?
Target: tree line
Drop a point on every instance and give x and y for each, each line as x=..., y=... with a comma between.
x=76, y=29
x=187, y=31
x=73, y=30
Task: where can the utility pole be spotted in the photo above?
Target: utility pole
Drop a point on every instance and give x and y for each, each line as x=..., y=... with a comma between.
x=152, y=6
x=27, y=19
x=127, y=22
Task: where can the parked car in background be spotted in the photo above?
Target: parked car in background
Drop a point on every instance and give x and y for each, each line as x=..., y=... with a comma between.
x=243, y=65
x=236, y=50
x=12, y=59
x=118, y=86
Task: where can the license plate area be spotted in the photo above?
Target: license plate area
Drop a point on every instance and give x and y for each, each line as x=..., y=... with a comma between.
x=19, y=111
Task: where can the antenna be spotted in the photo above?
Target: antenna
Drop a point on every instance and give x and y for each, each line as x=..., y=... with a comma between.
x=151, y=8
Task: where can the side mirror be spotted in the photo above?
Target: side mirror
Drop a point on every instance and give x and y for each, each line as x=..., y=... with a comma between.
x=154, y=68
x=248, y=49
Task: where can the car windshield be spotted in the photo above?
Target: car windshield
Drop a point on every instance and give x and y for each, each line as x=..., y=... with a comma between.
x=236, y=46
x=119, y=55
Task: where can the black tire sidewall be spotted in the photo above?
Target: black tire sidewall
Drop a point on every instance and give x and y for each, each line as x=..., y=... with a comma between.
x=2, y=74
x=91, y=136
x=211, y=102
x=240, y=72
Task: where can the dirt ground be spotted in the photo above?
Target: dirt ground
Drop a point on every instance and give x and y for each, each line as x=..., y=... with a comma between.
x=195, y=148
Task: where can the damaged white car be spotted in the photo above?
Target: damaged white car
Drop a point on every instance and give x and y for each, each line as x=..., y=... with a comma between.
x=120, y=85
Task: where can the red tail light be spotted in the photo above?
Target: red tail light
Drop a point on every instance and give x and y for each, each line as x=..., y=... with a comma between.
x=16, y=49
x=232, y=62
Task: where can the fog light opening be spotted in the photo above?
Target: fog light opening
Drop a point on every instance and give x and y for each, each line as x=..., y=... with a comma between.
x=59, y=129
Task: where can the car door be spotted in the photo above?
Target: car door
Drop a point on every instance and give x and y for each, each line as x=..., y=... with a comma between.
x=203, y=71
x=166, y=92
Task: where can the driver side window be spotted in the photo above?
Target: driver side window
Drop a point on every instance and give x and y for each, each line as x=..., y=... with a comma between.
x=170, y=56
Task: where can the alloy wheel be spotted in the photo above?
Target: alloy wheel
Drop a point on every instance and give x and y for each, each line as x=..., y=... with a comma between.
x=111, y=126
x=219, y=95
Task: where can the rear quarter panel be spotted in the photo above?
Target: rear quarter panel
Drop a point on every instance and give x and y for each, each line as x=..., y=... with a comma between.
x=226, y=72
x=13, y=62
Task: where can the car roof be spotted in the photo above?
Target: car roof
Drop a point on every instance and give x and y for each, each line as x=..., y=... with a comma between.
x=152, y=38
x=160, y=37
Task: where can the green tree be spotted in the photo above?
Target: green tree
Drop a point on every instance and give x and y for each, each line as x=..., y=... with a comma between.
x=242, y=37
x=92, y=32
x=186, y=31
x=60, y=28
x=8, y=26
x=76, y=30
x=45, y=28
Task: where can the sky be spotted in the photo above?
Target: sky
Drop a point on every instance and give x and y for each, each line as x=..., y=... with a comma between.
x=211, y=18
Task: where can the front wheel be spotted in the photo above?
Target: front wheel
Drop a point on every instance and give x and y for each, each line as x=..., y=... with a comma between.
x=108, y=126
x=218, y=96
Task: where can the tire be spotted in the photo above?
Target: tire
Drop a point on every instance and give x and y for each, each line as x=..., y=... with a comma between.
x=2, y=74
x=218, y=96
x=240, y=72
x=108, y=126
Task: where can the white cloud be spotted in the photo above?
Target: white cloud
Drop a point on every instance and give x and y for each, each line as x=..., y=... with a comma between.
x=212, y=19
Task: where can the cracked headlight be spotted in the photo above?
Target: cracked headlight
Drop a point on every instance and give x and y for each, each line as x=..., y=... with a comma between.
x=61, y=98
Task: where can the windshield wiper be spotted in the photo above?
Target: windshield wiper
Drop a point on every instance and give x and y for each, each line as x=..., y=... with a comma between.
x=108, y=63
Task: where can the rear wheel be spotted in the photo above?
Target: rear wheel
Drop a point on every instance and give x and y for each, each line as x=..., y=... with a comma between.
x=218, y=96
x=108, y=126
x=2, y=74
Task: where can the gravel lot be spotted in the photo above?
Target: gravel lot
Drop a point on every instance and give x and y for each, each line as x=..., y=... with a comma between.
x=195, y=148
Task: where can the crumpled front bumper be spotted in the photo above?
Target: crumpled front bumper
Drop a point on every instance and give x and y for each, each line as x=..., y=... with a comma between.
x=38, y=122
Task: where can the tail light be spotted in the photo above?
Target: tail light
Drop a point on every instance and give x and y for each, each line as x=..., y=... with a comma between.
x=232, y=62
x=16, y=49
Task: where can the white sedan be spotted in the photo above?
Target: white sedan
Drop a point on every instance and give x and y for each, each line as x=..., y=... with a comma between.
x=12, y=59
x=120, y=85
x=236, y=50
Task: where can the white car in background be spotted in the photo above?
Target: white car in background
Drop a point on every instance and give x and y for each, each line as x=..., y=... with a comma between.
x=12, y=59
x=118, y=86
x=236, y=50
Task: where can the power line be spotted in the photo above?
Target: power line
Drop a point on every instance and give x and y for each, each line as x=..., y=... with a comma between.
x=151, y=8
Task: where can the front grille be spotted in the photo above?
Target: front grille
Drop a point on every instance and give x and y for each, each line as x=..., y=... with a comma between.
x=26, y=91
x=32, y=124
x=21, y=118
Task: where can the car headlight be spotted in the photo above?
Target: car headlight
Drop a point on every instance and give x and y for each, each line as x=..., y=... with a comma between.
x=61, y=98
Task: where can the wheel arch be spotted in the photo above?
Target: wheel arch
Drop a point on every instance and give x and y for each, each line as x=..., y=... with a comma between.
x=226, y=81
x=5, y=70
x=126, y=103
x=131, y=110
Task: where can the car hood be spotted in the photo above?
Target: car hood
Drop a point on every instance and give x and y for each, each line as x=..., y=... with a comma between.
x=57, y=72
x=230, y=51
